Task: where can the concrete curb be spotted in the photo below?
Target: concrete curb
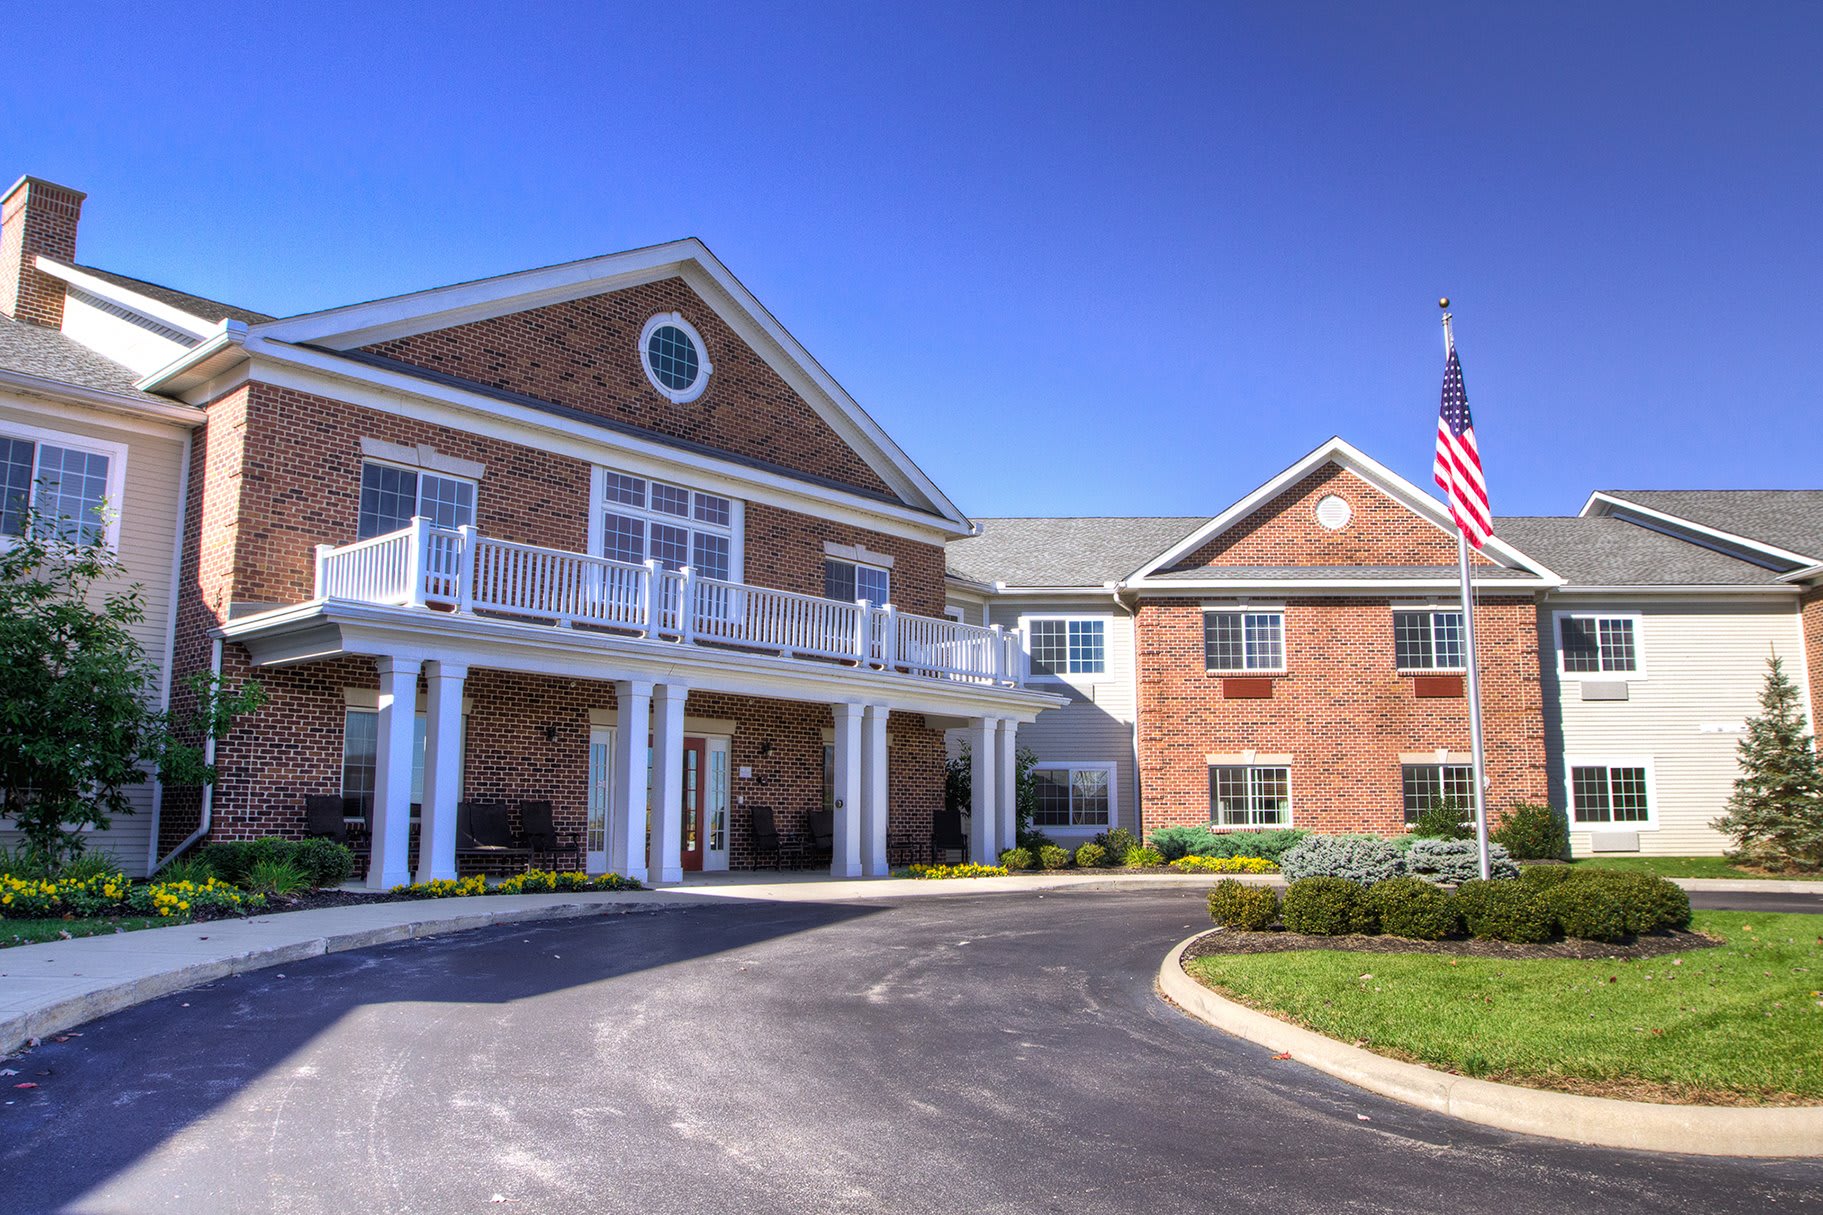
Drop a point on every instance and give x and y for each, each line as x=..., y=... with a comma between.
x=1600, y=1121
x=1751, y=885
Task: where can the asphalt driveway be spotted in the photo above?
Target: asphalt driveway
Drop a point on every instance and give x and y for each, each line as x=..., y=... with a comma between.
x=935, y=1055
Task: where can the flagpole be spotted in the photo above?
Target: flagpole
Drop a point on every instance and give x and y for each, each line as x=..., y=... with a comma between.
x=1474, y=665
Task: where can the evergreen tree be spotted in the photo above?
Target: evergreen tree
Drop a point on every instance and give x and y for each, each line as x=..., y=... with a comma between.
x=1776, y=812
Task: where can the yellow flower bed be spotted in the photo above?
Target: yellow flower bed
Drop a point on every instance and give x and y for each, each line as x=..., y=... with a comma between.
x=956, y=871
x=532, y=881
x=23, y=898
x=1223, y=864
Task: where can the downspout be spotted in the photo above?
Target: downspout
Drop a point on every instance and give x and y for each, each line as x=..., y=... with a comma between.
x=208, y=798
x=1139, y=818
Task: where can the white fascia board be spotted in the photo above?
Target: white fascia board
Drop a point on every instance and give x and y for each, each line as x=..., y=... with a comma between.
x=1378, y=587
x=99, y=398
x=969, y=584
x=218, y=353
x=1768, y=591
x=1603, y=504
x=359, y=384
x=126, y=297
x=1351, y=459
x=1803, y=575
x=1041, y=592
x=401, y=316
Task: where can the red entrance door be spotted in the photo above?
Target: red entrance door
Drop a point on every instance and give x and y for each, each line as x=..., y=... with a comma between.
x=696, y=765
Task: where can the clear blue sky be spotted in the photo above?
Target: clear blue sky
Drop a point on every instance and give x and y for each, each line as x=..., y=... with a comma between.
x=1085, y=259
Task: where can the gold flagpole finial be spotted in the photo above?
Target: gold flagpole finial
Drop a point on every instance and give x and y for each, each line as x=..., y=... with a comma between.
x=1444, y=303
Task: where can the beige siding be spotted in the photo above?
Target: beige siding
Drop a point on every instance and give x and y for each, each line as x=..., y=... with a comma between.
x=1704, y=664
x=151, y=492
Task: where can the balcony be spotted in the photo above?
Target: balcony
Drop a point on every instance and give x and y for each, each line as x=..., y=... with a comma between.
x=459, y=570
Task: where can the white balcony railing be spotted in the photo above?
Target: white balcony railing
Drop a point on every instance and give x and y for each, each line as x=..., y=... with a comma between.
x=458, y=569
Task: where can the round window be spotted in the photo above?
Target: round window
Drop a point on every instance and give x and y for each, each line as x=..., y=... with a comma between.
x=674, y=358
x=1334, y=513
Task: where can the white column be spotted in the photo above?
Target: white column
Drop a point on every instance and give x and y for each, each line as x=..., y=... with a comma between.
x=982, y=778
x=627, y=809
x=664, y=858
x=845, y=850
x=1006, y=792
x=389, y=862
x=442, y=766
x=874, y=793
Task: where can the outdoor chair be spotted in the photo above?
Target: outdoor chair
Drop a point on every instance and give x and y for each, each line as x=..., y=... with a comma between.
x=324, y=818
x=768, y=842
x=821, y=832
x=483, y=829
x=538, y=826
x=947, y=836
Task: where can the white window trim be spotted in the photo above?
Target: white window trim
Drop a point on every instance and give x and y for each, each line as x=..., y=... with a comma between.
x=1079, y=679
x=420, y=472
x=858, y=566
x=703, y=367
x=1250, y=609
x=1639, y=647
x=857, y=554
x=1573, y=762
x=116, y=454
x=1428, y=609
x=1263, y=761
x=1113, y=771
x=599, y=505
x=423, y=456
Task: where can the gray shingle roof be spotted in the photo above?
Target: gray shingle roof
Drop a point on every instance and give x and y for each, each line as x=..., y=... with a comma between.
x=47, y=353
x=1299, y=572
x=1786, y=518
x=1614, y=552
x=1064, y=552
x=198, y=306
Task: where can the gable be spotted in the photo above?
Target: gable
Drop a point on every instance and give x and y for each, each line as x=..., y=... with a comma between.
x=1284, y=531
x=584, y=354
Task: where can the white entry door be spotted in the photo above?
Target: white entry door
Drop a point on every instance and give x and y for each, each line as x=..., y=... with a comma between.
x=715, y=806
x=601, y=798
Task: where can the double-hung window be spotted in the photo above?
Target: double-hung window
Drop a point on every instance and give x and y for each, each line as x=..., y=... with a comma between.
x=1249, y=796
x=674, y=526
x=1242, y=640
x=1428, y=641
x=1073, y=796
x=849, y=581
x=391, y=496
x=67, y=484
x=1599, y=645
x=1610, y=794
x=1069, y=647
x=361, y=752
x=1426, y=785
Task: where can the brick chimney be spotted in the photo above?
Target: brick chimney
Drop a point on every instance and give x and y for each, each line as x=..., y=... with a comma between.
x=36, y=217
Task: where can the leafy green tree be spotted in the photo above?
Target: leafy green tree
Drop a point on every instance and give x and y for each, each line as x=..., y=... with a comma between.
x=1776, y=812
x=959, y=788
x=78, y=727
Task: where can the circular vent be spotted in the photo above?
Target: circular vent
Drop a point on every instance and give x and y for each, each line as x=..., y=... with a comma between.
x=1334, y=513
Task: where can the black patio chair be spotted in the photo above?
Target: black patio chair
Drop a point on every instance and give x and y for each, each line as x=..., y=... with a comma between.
x=768, y=841
x=538, y=826
x=820, y=833
x=947, y=835
x=483, y=829
x=324, y=818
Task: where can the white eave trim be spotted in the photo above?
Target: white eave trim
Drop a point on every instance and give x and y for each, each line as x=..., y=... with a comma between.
x=201, y=363
x=101, y=398
x=1804, y=575
x=157, y=310
x=1377, y=586
x=1771, y=590
x=1351, y=459
x=1604, y=504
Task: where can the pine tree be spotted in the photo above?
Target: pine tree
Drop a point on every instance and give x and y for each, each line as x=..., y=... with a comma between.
x=1776, y=812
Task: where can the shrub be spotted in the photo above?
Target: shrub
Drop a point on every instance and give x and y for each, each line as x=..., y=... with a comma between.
x=1327, y=907
x=1412, y=907
x=941, y=872
x=232, y=860
x=1243, y=907
x=1175, y=842
x=324, y=862
x=1586, y=910
x=276, y=877
x=186, y=869
x=1223, y=864
x=1457, y=860
x=1050, y=856
x=1016, y=859
x=1445, y=819
x=1648, y=903
x=1116, y=844
x=1544, y=877
x=1531, y=832
x=1359, y=858
x=1497, y=910
x=1143, y=858
x=1090, y=855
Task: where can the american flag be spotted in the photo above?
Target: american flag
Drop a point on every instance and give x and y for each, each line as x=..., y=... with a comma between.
x=1458, y=464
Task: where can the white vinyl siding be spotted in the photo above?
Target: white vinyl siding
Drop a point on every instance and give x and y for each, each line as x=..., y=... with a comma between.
x=1708, y=662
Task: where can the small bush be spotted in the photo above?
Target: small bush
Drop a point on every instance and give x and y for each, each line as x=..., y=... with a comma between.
x=1531, y=832
x=324, y=862
x=1445, y=819
x=1116, y=844
x=1544, y=877
x=1090, y=855
x=1143, y=858
x=276, y=877
x=1499, y=910
x=1586, y=910
x=1326, y=906
x=1648, y=903
x=186, y=869
x=1359, y=858
x=1050, y=856
x=1457, y=860
x=1016, y=859
x=1175, y=842
x=1243, y=907
x=1412, y=907
x=1223, y=864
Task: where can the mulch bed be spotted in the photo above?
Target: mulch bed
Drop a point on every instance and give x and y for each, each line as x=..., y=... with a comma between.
x=1227, y=941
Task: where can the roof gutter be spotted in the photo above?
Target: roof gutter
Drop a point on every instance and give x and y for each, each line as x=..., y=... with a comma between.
x=101, y=398
x=222, y=350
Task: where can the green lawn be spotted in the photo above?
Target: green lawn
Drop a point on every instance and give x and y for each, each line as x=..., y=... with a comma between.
x=33, y=932
x=1685, y=867
x=1739, y=1024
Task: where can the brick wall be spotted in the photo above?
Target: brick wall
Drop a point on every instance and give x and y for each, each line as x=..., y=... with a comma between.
x=584, y=354
x=1811, y=605
x=37, y=218
x=1342, y=711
